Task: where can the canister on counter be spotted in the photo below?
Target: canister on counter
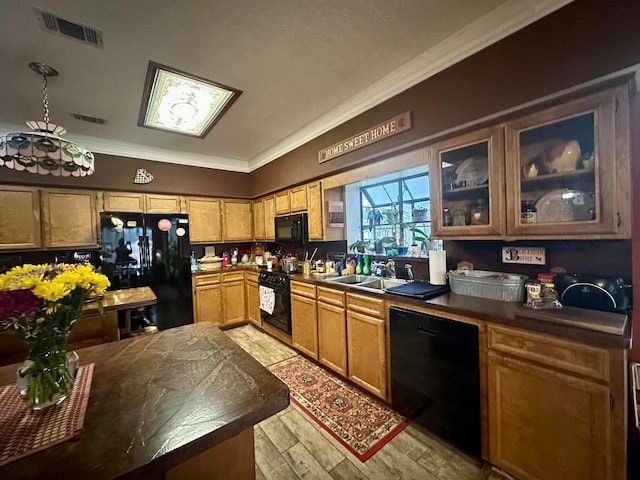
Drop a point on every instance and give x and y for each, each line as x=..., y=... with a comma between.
x=533, y=289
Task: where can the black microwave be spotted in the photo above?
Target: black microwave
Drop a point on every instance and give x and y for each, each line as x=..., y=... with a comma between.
x=292, y=228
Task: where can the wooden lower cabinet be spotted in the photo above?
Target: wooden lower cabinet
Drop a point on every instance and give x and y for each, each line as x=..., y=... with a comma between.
x=233, y=298
x=304, y=319
x=366, y=344
x=207, y=301
x=253, y=299
x=332, y=330
x=556, y=408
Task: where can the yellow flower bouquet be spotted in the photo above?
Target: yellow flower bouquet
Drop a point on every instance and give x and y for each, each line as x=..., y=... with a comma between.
x=41, y=303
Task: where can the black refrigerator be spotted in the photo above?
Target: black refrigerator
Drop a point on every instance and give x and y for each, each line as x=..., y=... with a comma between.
x=150, y=250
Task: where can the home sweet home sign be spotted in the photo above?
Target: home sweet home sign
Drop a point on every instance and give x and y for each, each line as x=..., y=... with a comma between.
x=381, y=131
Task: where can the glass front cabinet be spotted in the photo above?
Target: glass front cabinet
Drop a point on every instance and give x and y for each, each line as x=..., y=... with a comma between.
x=466, y=176
x=562, y=172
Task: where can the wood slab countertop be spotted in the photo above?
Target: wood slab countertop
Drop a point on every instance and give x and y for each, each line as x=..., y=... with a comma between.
x=124, y=299
x=156, y=401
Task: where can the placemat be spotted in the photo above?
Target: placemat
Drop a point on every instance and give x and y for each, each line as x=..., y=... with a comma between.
x=24, y=431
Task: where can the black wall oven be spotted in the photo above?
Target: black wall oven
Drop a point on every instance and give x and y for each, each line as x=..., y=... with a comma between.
x=275, y=304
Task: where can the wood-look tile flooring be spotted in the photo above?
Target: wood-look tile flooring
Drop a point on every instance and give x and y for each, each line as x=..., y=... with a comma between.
x=289, y=445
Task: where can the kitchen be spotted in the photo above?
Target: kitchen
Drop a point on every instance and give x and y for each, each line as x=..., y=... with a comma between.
x=472, y=92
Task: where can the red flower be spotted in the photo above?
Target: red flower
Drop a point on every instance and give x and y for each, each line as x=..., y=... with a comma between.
x=18, y=301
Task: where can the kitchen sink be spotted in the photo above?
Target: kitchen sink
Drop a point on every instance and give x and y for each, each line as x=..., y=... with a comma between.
x=370, y=284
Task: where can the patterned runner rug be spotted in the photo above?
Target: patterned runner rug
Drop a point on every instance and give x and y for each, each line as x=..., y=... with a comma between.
x=358, y=421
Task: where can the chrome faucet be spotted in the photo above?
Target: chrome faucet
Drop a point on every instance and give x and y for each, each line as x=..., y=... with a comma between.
x=409, y=268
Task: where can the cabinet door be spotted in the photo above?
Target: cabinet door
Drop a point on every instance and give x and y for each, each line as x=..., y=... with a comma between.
x=163, y=204
x=234, y=301
x=366, y=352
x=208, y=304
x=204, y=220
x=283, y=206
x=545, y=424
x=258, y=219
x=298, y=199
x=304, y=325
x=466, y=180
x=567, y=167
x=69, y=218
x=19, y=218
x=237, y=223
x=123, y=202
x=269, y=215
x=332, y=337
x=253, y=303
x=314, y=211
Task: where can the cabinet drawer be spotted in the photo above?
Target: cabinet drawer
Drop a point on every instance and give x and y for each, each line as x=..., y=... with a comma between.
x=569, y=356
x=370, y=306
x=206, y=279
x=251, y=276
x=231, y=276
x=304, y=289
x=332, y=296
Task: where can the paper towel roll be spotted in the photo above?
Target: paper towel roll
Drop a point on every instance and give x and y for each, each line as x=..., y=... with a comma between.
x=437, y=267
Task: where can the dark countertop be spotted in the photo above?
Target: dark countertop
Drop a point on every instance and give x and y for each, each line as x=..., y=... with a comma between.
x=603, y=329
x=157, y=400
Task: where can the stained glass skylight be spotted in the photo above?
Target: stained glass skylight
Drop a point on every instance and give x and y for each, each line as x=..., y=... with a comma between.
x=179, y=102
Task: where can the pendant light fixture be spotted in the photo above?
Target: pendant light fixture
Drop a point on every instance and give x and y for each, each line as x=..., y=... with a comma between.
x=43, y=150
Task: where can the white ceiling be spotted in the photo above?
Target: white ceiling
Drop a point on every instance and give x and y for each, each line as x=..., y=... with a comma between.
x=304, y=66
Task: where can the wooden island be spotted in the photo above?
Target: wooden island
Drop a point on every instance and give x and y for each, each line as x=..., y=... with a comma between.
x=180, y=404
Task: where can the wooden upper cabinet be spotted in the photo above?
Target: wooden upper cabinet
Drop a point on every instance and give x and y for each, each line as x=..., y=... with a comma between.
x=269, y=215
x=258, y=219
x=237, y=222
x=570, y=163
x=466, y=180
x=282, y=202
x=142, y=203
x=314, y=211
x=205, y=225
x=19, y=218
x=163, y=204
x=298, y=199
x=69, y=218
x=122, y=202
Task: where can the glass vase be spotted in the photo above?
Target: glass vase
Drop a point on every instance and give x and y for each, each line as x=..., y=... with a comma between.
x=48, y=374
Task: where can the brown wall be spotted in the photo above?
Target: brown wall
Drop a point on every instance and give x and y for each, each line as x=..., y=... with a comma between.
x=582, y=41
x=117, y=173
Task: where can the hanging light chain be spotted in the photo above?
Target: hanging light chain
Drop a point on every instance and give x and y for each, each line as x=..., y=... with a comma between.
x=45, y=99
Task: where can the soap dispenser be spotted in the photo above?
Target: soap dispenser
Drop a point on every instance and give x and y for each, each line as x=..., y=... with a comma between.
x=366, y=268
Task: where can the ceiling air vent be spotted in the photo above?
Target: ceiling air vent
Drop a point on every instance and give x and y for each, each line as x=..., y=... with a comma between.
x=87, y=118
x=68, y=28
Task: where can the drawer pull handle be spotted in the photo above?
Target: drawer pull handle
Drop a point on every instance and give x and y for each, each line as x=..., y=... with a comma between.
x=428, y=331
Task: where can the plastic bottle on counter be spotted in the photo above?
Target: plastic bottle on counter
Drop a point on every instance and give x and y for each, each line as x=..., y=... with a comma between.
x=359, y=264
x=366, y=267
x=194, y=262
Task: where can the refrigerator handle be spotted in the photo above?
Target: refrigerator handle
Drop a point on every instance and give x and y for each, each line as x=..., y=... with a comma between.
x=143, y=240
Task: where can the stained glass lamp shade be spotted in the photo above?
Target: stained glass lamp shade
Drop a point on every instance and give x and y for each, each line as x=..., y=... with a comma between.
x=43, y=150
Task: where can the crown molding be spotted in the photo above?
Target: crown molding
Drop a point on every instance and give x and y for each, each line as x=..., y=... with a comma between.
x=134, y=150
x=486, y=30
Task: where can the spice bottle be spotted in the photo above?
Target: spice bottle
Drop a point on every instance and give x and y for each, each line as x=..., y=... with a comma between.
x=447, y=218
x=528, y=212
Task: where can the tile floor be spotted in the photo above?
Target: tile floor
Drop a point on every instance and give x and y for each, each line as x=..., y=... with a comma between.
x=290, y=445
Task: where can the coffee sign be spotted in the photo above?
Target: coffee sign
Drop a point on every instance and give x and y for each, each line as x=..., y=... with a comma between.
x=374, y=134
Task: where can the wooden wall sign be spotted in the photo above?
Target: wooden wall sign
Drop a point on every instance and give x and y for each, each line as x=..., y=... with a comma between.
x=374, y=134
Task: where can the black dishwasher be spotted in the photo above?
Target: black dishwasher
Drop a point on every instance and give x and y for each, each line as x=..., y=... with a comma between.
x=435, y=375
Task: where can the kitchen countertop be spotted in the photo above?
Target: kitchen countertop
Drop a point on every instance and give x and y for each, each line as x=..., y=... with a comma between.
x=156, y=401
x=124, y=299
x=604, y=329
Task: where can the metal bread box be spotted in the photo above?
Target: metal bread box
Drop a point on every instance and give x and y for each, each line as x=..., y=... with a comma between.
x=506, y=287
